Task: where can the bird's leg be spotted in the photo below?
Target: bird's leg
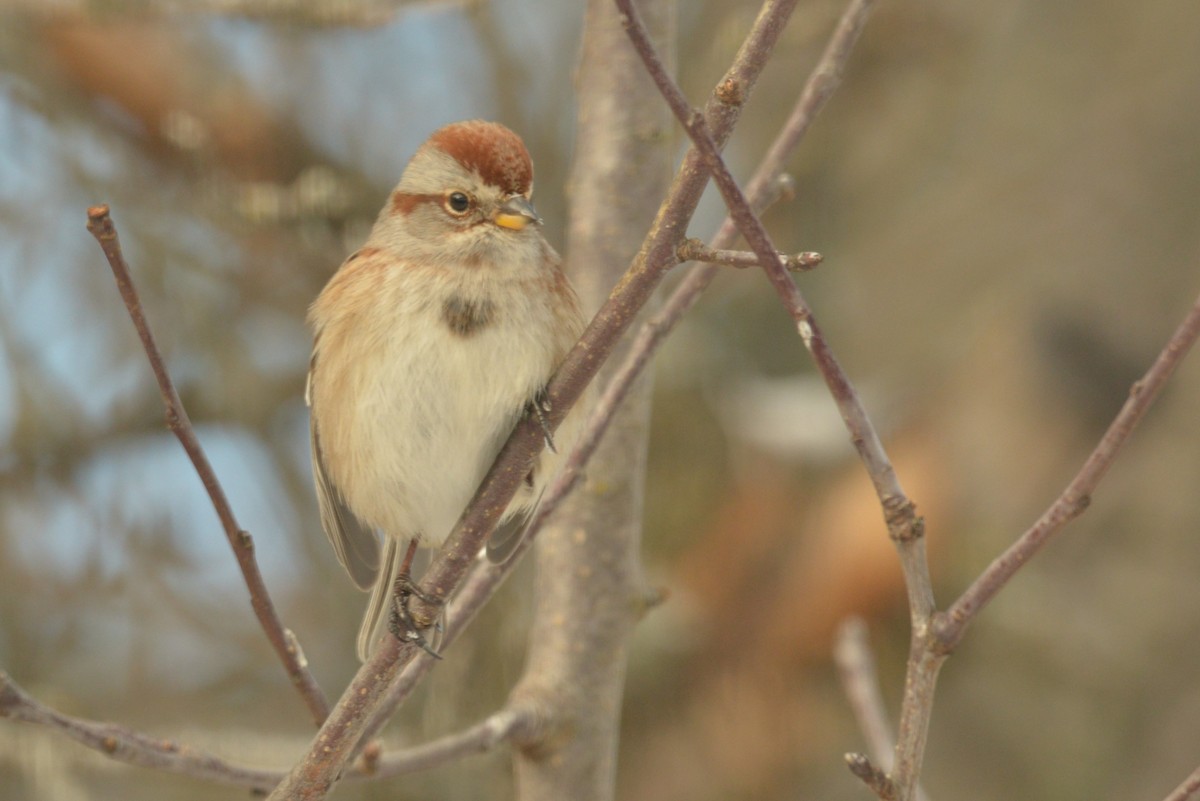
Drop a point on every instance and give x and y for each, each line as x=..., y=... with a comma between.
x=539, y=406
x=400, y=620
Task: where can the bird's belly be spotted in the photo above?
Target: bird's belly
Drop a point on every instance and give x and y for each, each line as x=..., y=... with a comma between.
x=428, y=415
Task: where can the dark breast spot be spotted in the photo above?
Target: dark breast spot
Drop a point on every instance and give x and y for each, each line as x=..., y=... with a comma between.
x=466, y=318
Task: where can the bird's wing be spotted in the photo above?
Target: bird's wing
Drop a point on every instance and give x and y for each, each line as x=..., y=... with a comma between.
x=510, y=532
x=356, y=546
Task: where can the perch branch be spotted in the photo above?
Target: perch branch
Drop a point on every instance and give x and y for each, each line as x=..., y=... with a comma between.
x=284, y=642
x=339, y=737
x=768, y=185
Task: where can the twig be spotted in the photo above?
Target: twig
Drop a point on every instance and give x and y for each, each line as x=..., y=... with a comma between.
x=131, y=747
x=856, y=668
x=898, y=509
x=695, y=250
x=949, y=627
x=768, y=185
x=284, y=642
x=142, y=750
x=904, y=527
x=1188, y=790
x=860, y=765
x=505, y=725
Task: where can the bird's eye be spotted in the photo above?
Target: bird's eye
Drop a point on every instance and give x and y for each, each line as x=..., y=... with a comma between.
x=458, y=202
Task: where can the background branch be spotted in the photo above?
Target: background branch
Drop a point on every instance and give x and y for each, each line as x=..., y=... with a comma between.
x=157, y=753
x=695, y=250
x=1188, y=790
x=131, y=747
x=286, y=646
x=856, y=668
x=1076, y=497
x=589, y=591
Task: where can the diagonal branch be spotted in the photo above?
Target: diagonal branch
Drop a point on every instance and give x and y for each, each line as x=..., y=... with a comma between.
x=898, y=510
x=1188, y=790
x=768, y=185
x=342, y=732
x=904, y=527
x=286, y=646
x=950, y=626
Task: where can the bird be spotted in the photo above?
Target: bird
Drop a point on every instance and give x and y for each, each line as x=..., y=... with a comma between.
x=429, y=344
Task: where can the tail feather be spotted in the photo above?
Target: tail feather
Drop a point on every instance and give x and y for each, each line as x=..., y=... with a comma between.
x=381, y=595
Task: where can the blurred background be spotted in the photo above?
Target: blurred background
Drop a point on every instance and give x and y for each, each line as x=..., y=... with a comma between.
x=1007, y=197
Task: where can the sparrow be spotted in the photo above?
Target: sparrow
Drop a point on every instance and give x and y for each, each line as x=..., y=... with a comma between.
x=430, y=343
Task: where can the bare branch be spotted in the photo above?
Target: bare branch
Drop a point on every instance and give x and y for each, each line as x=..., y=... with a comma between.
x=286, y=646
x=1188, y=790
x=340, y=735
x=856, y=668
x=905, y=528
x=950, y=626
x=131, y=747
x=768, y=185
x=507, y=724
x=871, y=776
x=898, y=510
x=146, y=751
x=695, y=250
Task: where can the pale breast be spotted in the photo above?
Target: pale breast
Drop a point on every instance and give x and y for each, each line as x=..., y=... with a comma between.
x=416, y=391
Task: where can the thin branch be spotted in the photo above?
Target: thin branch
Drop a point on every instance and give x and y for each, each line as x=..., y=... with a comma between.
x=768, y=185
x=904, y=527
x=898, y=510
x=950, y=626
x=508, y=724
x=1187, y=791
x=695, y=250
x=286, y=646
x=132, y=747
x=342, y=732
x=860, y=765
x=856, y=669
x=860, y=681
x=146, y=751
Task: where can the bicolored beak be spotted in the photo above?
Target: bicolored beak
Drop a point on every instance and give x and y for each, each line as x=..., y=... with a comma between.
x=516, y=213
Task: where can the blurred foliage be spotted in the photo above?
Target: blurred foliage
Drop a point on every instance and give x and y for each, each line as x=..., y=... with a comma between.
x=1006, y=196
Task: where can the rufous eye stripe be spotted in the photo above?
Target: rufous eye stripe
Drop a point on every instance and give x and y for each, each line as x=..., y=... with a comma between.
x=405, y=202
